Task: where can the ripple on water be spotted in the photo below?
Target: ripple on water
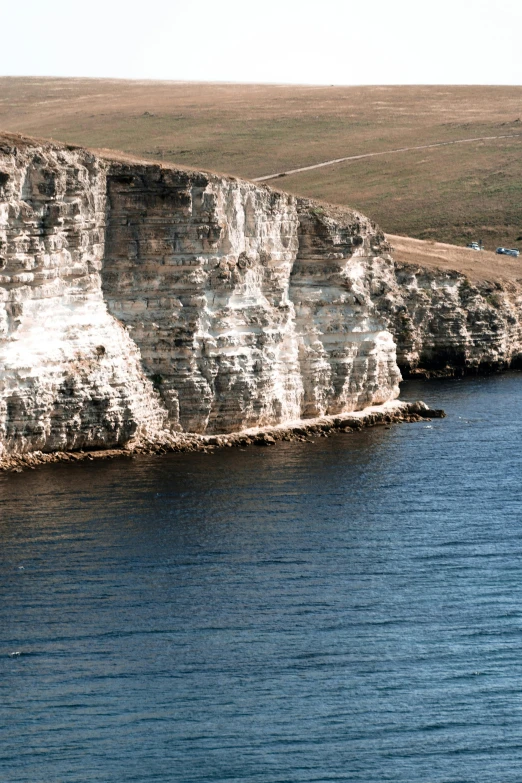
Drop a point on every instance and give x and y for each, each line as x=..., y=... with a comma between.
x=348, y=610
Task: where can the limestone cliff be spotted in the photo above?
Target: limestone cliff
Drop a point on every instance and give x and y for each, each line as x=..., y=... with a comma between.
x=446, y=323
x=137, y=300
x=70, y=376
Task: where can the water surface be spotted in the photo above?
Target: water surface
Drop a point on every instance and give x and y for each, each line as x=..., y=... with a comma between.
x=343, y=610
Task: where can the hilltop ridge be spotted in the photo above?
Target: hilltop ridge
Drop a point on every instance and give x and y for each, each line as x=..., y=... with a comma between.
x=449, y=194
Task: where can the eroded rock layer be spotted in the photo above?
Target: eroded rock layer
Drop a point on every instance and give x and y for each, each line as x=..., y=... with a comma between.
x=198, y=269
x=347, y=359
x=249, y=307
x=138, y=301
x=70, y=376
x=446, y=324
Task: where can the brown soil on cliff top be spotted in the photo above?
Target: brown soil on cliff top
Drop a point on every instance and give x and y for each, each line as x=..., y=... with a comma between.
x=483, y=265
x=452, y=193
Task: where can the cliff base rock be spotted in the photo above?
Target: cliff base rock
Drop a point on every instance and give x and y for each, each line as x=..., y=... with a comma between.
x=392, y=412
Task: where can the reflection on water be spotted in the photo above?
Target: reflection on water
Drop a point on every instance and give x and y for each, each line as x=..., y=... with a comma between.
x=344, y=610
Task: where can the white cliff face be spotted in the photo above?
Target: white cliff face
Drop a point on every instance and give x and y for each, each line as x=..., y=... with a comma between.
x=70, y=377
x=444, y=323
x=135, y=298
x=249, y=308
x=198, y=269
x=347, y=358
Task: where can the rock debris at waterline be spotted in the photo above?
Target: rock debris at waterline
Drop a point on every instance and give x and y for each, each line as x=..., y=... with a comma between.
x=386, y=414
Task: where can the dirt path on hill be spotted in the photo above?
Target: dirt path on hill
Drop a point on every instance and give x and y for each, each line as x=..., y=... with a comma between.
x=384, y=152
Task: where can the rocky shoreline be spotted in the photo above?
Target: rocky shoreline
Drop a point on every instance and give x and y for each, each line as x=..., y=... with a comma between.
x=388, y=413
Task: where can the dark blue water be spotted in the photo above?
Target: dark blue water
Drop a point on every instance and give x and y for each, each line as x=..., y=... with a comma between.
x=347, y=610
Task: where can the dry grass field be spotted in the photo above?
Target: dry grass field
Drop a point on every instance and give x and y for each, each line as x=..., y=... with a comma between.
x=478, y=266
x=449, y=194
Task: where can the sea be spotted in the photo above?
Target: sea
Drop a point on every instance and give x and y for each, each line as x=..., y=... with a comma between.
x=345, y=609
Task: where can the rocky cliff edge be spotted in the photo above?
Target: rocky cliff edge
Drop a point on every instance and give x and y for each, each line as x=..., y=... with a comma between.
x=138, y=300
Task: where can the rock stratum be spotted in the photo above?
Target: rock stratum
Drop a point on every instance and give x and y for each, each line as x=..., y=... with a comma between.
x=141, y=302
x=138, y=301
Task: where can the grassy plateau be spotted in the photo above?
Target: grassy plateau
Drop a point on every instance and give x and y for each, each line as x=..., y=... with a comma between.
x=448, y=194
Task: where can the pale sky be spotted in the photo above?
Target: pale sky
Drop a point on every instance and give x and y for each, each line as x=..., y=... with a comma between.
x=282, y=41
